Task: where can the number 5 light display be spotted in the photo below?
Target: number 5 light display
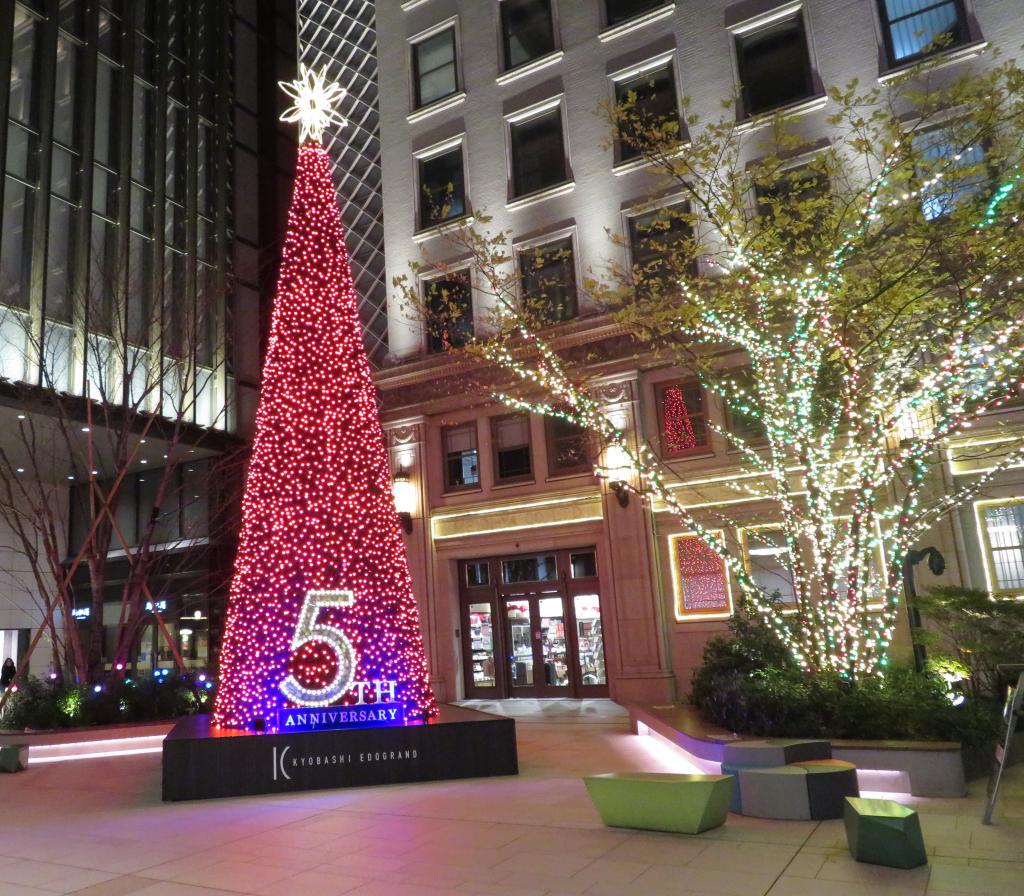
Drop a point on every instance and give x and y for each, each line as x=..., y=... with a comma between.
x=321, y=609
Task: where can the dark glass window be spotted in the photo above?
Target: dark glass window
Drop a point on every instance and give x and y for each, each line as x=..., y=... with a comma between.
x=450, y=308
x=16, y=243
x=618, y=11
x=654, y=105
x=461, y=459
x=527, y=30
x=548, y=281
x=106, y=138
x=913, y=28
x=435, y=74
x=511, y=437
x=684, y=419
x=775, y=66
x=24, y=67
x=66, y=110
x=583, y=564
x=963, y=177
x=442, y=188
x=529, y=569
x=478, y=572
x=538, y=153
x=659, y=244
x=59, y=257
x=568, y=447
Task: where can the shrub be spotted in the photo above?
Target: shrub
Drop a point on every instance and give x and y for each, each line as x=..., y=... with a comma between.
x=748, y=685
x=42, y=705
x=981, y=631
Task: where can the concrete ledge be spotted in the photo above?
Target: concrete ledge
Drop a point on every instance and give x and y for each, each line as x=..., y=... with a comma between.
x=85, y=734
x=921, y=768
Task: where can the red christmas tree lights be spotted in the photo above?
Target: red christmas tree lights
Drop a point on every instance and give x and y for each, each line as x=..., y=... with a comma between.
x=678, y=427
x=320, y=551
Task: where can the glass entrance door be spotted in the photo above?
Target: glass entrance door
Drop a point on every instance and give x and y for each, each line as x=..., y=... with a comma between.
x=538, y=654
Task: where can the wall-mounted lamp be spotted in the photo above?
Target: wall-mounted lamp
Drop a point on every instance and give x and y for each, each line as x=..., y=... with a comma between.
x=617, y=469
x=404, y=493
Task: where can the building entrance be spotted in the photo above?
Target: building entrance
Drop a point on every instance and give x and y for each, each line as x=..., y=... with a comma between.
x=531, y=626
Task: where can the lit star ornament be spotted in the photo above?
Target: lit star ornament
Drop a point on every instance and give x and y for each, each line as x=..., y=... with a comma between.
x=315, y=100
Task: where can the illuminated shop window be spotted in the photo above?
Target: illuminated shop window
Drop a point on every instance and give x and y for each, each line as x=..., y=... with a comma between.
x=699, y=578
x=767, y=558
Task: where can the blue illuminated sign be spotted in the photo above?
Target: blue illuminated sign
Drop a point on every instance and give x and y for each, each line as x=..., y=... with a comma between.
x=372, y=715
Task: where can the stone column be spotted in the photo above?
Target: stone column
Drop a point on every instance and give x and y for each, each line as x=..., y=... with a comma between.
x=638, y=632
x=405, y=447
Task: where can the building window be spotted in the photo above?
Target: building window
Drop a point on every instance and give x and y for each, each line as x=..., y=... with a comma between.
x=442, y=195
x=568, y=447
x=542, y=568
x=461, y=459
x=619, y=11
x=963, y=169
x=745, y=426
x=1004, y=537
x=538, y=152
x=583, y=564
x=511, y=437
x=548, y=281
x=768, y=562
x=650, y=101
x=774, y=66
x=915, y=28
x=699, y=578
x=435, y=72
x=684, y=421
x=527, y=31
x=449, y=305
x=660, y=245
x=478, y=573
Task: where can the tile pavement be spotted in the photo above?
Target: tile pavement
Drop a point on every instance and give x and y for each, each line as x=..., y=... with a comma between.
x=98, y=828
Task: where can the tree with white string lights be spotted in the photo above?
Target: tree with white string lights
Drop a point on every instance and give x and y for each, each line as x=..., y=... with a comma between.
x=857, y=302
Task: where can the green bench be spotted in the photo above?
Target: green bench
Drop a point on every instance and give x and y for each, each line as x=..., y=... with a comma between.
x=881, y=832
x=681, y=804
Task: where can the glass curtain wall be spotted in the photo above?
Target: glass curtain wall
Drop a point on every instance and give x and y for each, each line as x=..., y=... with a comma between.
x=114, y=255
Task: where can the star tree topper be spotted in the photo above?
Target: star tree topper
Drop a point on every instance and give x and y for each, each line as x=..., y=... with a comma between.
x=315, y=99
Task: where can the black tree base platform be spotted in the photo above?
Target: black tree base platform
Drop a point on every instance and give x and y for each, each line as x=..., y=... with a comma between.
x=202, y=762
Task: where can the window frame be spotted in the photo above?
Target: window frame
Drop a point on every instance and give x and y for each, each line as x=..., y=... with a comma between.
x=504, y=66
x=524, y=116
x=788, y=606
x=985, y=542
x=962, y=34
x=630, y=215
x=550, y=441
x=680, y=614
x=500, y=480
x=965, y=190
x=449, y=487
x=413, y=66
x=657, y=9
x=751, y=28
x=465, y=272
x=518, y=249
x=427, y=154
x=699, y=450
x=663, y=60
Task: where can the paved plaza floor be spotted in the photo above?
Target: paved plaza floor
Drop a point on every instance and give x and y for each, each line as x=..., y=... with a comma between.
x=97, y=827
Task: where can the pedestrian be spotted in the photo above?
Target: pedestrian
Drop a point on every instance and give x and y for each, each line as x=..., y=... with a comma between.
x=7, y=673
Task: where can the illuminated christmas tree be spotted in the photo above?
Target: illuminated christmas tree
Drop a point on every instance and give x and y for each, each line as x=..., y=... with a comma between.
x=321, y=610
